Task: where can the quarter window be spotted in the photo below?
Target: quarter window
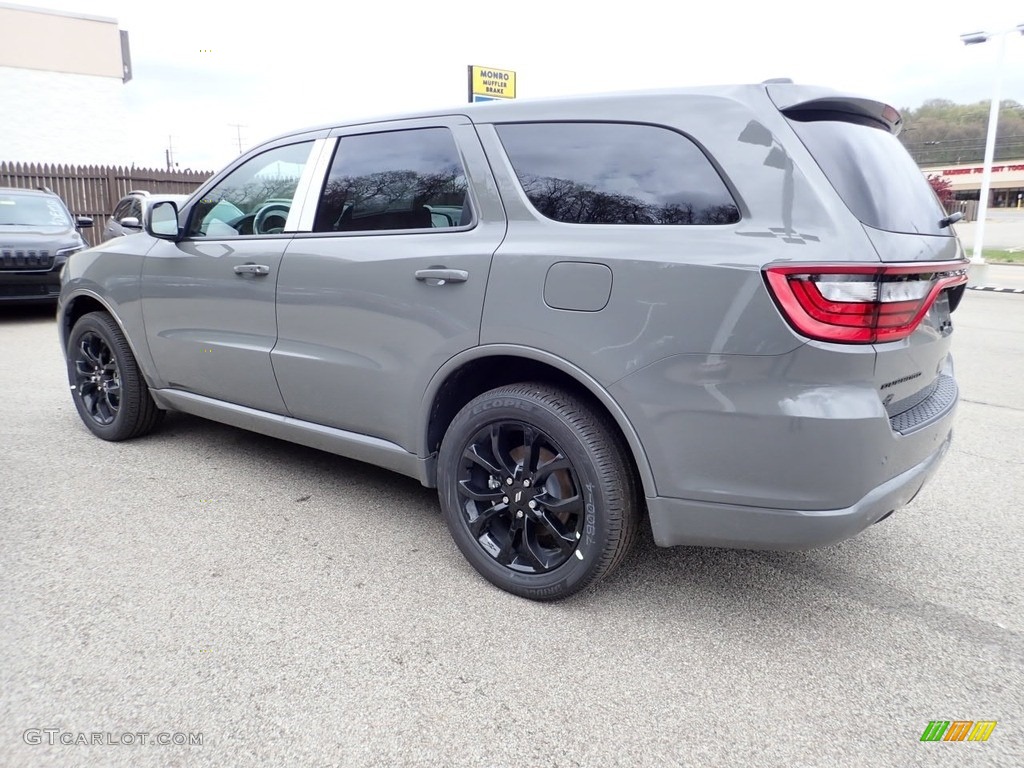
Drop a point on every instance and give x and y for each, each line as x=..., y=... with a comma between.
x=395, y=180
x=616, y=173
x=255, y=198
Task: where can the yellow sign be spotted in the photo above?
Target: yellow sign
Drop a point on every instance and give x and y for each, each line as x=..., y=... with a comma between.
x=486, y=83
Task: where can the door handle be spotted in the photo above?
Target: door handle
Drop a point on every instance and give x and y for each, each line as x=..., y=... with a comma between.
x=252, y=269
x=440, y=276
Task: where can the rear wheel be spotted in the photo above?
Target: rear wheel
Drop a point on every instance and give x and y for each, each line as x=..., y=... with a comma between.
x=109, y=392
x=537, y=491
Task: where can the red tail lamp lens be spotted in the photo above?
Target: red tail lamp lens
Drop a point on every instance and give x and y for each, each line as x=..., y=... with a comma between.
x=860, y=304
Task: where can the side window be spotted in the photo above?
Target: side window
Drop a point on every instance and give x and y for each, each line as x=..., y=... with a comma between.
x=122, y=209
x=616, y=173
x=396, y=180
x=254, y=199
x=136, y=208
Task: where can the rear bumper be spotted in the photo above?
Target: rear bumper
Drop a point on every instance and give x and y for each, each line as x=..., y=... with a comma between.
x=700, y=523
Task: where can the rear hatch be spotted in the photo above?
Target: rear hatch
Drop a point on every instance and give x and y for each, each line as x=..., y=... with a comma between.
x=903, y=306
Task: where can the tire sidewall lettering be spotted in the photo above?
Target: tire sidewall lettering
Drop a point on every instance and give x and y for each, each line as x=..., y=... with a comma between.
x=507, y=403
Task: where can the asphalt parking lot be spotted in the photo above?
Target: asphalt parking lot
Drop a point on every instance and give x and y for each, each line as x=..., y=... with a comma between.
x=295, y=608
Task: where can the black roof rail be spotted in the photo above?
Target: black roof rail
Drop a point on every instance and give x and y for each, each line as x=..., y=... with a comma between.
x=138, y=191
x=45, y=189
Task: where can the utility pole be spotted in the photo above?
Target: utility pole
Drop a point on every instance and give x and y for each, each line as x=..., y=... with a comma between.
x=169, y=153
x=238, y=132
x=973, y=38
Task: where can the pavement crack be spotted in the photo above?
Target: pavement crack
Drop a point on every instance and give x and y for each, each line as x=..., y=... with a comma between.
x=999, y=459
x=992, y=405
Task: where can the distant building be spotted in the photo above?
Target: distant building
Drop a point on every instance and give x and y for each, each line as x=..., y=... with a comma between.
x=1007, y=186
x=62, y=79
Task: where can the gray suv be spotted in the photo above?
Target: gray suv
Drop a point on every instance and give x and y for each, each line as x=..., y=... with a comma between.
x=726, y=310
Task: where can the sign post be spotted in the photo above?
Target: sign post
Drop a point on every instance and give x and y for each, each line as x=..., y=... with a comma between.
x=489, y=84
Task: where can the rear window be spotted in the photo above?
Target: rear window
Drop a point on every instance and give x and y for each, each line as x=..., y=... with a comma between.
x=616, y=173
x=872, y=172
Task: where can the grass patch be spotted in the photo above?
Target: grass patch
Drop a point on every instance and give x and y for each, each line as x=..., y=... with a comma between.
x=1002, y=257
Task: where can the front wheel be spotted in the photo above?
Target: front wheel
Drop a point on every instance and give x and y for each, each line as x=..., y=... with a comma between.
x=537, y=491
x=110, y=394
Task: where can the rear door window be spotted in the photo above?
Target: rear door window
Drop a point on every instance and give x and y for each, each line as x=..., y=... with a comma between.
x=872, y=172
x=396, y=180
x=616, y=173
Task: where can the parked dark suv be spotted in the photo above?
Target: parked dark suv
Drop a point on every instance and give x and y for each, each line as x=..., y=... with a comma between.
x=37, y=234
x=728, y=309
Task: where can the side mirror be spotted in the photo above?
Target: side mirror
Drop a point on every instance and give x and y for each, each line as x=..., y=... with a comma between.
x=130, y=222
x=162, y=221
x=83, y=221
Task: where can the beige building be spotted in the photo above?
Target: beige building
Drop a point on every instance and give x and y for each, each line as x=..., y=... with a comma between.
x=1007, y=186
x=62, y=79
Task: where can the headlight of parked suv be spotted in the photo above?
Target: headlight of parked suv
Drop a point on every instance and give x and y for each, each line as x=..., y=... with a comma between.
x=80, y=245
x=65, y=252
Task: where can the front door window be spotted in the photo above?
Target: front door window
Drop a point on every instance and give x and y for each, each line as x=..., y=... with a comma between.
x=255, y=198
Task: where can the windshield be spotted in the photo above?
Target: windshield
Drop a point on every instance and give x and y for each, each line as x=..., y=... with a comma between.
x=32, y=211
x=871, y=171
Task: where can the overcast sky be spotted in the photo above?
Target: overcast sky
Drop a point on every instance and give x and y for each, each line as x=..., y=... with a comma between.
x=277, y=66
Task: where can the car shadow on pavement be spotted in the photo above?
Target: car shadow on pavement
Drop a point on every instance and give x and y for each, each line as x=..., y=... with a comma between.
x=330, y=472
x=752, y=587
x=837, y=586
x=648, y=571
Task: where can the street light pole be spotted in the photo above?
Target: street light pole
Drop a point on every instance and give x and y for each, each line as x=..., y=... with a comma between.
x=974, y=38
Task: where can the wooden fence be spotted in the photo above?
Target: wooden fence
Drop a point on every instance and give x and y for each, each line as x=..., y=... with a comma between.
x=969, y=208
x=95, y=190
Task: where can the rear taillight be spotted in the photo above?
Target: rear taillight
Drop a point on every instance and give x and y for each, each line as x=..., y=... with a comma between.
x=860, y=304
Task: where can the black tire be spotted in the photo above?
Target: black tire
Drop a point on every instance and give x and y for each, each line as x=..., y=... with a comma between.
x=109, y=391
x=547, y=537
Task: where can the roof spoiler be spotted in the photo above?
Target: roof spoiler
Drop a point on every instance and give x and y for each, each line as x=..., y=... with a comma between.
x=801, y=101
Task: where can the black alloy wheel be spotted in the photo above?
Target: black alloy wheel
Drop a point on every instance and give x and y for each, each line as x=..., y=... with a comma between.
x=537, y=490
x=521, y=497
x=109, y=391
x=97, y=379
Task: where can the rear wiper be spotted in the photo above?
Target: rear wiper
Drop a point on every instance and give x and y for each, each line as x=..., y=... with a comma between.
x=953, y=218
